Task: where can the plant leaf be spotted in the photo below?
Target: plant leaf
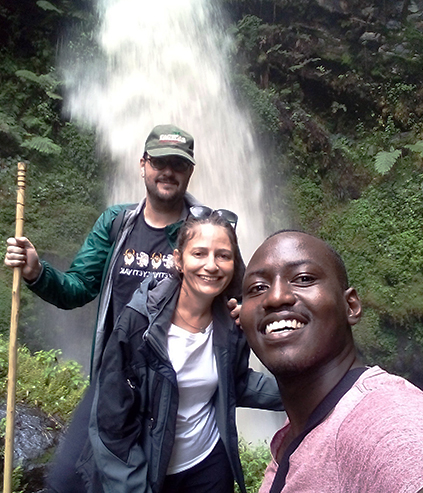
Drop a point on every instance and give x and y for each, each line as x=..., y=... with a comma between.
x=417, y=147
x=48, y=6
x=53, y=95
x=385, y=160
x=42, y=144
x=27, y=74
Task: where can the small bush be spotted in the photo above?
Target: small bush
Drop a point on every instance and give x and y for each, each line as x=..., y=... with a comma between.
x=43, y=380
x=254, y=460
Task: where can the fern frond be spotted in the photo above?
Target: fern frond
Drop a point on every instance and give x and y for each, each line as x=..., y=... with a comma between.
x=417, y=147
x=385, y=160
x=48, y=6
x=28, y=75
x=42, y=144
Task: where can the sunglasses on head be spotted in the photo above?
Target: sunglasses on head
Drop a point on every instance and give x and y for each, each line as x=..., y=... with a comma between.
x=177, y=164
x=202, y=212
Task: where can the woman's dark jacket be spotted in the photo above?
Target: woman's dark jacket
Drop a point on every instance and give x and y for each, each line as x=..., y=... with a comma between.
x=133, y=419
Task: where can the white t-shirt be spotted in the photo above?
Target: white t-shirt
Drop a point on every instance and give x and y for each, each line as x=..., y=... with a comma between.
x=194, y=362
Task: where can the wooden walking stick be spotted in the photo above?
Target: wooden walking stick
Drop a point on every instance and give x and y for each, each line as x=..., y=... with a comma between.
x=11, y=382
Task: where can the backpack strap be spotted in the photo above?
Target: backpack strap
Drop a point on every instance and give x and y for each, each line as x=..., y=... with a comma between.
x=316, y=417
x=118, y=221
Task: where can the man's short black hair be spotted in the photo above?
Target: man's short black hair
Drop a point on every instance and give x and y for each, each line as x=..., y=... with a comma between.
x=341, y=270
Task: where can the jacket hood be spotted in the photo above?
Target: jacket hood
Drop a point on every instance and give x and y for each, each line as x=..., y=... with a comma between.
x=153, y=296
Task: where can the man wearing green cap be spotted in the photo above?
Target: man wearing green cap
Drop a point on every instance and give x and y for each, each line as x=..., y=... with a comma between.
x=126, y=244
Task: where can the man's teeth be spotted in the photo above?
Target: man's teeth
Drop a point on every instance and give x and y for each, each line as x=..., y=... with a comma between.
x=283, y=326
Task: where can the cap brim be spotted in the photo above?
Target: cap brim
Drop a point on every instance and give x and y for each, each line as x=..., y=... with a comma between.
x=170, y=151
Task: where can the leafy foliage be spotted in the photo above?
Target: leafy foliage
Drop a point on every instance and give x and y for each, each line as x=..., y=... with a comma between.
x=380, y=236
x=347, y=104
x=417, y=147
x=44, y=381
x=48, y=6
x=381, y=240
x=262, y=103
x=5, y=307
x=254, y=460
x=385, y=160
x=44, y=145
x=65, y=177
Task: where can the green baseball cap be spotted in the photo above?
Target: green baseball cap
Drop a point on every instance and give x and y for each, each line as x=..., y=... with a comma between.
x=168, y=140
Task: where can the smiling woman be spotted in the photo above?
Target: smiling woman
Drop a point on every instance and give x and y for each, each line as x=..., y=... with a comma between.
x=175, y=367
x=207, y=266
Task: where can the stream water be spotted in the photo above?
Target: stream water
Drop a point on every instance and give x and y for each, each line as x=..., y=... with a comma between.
x=166, y=62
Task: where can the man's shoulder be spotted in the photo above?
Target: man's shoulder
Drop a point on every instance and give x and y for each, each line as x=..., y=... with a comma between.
x=379, y=404
x=381, y=437
x=114, y=210
x=113, y=217
x=109, y=214
x=191, y=200
x=380, y=384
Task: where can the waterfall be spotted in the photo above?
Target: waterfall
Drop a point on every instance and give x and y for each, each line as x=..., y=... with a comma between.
x=168, y=62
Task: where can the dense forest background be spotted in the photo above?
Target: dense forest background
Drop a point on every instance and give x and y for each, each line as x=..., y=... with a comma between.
x=335, y=91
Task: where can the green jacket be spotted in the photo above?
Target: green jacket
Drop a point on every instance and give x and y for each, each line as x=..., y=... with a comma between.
x=90, y=272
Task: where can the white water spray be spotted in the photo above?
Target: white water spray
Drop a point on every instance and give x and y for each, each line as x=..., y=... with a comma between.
x=167, y=62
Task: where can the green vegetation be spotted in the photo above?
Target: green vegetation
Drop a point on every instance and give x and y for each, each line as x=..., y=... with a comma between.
x=254, y=460
x=341, y=97
x=337, y=100
x=65, y=175
x=44, y=380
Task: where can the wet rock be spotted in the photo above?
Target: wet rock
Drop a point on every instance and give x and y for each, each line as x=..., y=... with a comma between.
x=36, y=436
x=401, y=49
x=393, y=25
x=340, y=6
x=370, y=37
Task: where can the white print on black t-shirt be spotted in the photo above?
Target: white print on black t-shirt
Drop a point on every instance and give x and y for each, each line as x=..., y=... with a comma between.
x=168, y=261
x=156, y=260
x=129, y=256
x=143, y=273
x=143, y=260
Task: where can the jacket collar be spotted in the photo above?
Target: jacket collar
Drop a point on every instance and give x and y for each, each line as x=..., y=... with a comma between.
x=157, y=302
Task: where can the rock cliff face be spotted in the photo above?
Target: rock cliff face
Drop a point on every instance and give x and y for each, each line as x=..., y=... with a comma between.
x=36, y=435
x=337, y=84
x=334, y=65
x=330, y=40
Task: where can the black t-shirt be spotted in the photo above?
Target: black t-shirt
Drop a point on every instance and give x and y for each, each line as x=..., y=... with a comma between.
x=145, y=251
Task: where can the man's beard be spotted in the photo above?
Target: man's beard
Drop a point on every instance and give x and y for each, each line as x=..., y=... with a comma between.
x=164, y=198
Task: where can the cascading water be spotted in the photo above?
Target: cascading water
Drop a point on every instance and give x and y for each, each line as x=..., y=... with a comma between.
x=167, y=62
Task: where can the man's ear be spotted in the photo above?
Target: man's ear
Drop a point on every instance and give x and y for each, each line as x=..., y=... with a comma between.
x=353, y=304
x=142, y=166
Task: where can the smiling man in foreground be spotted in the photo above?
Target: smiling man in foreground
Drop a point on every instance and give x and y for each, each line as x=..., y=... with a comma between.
x=349, y=428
